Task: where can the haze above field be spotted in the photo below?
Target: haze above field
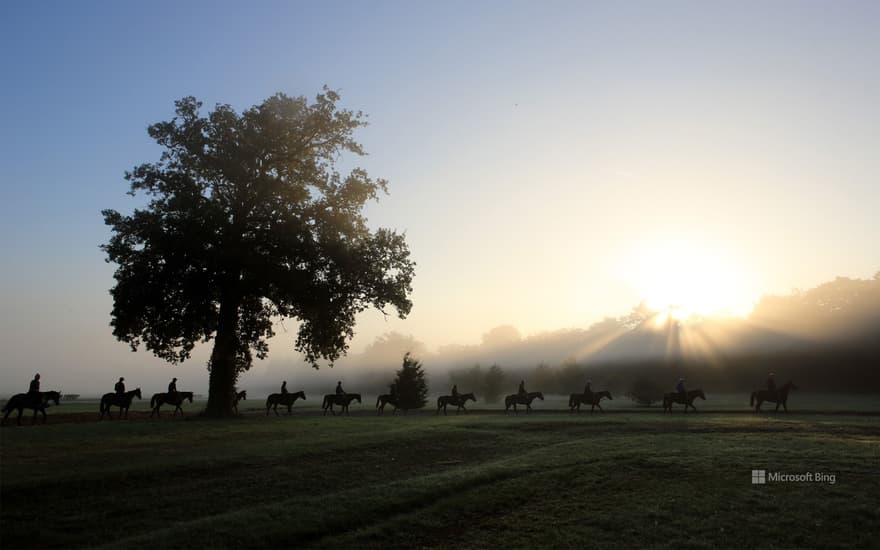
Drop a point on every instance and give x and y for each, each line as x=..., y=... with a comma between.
x=551, y=166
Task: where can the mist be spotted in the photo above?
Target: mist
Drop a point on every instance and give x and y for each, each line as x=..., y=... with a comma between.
x=827, y=338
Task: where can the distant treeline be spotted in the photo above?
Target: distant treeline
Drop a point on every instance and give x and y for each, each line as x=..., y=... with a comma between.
x=824, y=339
x=847, y=369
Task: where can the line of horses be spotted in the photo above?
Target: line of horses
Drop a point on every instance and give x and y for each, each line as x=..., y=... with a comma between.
x=123, y=401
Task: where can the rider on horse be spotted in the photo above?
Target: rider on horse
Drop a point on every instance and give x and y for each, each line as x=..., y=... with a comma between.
x=588, y=389
x=339, y=390
x=119, y=388
x=681, y=390
x=522, y=389
x=284, y=387
x=455, y=391
x=771, y=385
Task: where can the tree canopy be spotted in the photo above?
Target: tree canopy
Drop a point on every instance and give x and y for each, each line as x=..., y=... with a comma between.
x=248, y=221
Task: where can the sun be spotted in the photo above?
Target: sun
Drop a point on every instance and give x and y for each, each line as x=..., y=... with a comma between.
x=681, y=279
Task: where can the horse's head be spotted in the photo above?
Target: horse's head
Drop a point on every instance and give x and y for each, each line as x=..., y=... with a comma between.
x=356, y=396
x=53, y=396
x=539, y=395
x=137, y=393
x=469, y=396
x=300, y=394
x=700, y=394
x=187, y=395
x=606, y=394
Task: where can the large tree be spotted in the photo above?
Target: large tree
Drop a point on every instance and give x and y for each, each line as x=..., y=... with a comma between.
x=248, y=221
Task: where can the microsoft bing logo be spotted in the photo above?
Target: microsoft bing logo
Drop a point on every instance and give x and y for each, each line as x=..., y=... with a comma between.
x=759, y=477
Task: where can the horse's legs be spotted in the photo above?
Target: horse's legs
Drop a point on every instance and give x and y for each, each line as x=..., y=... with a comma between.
x=20, y=411
x=785, y=406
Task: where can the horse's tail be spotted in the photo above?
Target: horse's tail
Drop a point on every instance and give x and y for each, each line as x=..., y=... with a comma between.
x=324, y=404
x=752, y=400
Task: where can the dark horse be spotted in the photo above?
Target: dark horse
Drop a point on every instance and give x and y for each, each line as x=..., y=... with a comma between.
x=592, y=399
x=121, y=400
x=160, y=399
x=342, y=400
x=23, y=401
x=459, y=402
x=517, y=399
x=283, y=399
x=386, y=399
x=780, y=398
x=238, y=397
x=675, y=397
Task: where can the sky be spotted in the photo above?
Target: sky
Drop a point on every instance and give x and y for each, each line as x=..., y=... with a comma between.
x=550, y=162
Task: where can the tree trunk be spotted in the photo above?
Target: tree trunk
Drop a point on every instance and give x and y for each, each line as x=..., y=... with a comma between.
x=221, y=386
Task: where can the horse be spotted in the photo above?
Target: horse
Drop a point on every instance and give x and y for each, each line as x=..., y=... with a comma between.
x=458, y=401
x=160, y=399
x=780, y=398
x=592, y=399
x=515, y=399
x=238, y=397
x=386, y=399
x=675, y=397
x=284, y=399
x=21, y=401
x=121, y=400
x=343, y=400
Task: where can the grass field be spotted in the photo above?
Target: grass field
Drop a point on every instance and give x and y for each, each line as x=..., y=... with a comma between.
x=625, y=479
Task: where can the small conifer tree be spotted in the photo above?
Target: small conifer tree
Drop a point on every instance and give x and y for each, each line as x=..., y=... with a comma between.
x=412, y=388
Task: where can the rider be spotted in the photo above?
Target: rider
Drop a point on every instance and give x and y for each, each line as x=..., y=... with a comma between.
x=588, y=389
x=34, y=389
x=120, y=386
x=522, y=389
x=172, y=390
x=682, y=392
x=284, y=387
x=771, y=385
x=339, y=390
x=455, y=391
